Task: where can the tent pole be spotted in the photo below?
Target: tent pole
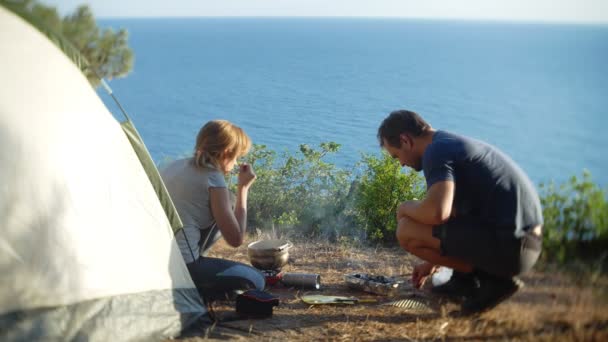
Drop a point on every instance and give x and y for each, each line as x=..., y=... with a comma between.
x=111, y=93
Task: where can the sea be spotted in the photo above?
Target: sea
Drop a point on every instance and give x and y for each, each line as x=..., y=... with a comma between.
x=538, y=91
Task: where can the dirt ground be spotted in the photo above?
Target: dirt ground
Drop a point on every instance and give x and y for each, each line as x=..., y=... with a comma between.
x=552, y=307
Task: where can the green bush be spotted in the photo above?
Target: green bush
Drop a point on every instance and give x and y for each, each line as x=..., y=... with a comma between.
x=298, y=192
x=576, y=220
x=302, y=194
x=382, y=187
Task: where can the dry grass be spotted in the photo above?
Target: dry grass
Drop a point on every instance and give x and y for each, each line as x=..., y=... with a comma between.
x=550, y=307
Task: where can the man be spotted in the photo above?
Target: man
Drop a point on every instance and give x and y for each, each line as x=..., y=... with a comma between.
x=481, y=215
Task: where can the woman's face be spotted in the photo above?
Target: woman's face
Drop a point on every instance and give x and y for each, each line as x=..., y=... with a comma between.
x=228, y=164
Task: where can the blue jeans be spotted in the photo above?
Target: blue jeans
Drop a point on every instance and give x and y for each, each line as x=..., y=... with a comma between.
x=220, y=278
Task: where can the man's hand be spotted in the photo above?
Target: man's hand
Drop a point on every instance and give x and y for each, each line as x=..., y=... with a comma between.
x=421, y=273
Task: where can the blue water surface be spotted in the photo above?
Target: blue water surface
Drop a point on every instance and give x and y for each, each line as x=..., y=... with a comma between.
x=537, y=91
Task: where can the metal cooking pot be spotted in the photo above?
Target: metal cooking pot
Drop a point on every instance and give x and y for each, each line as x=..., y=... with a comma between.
x=269, y=254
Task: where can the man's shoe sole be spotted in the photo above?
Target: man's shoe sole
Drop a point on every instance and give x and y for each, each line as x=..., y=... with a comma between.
x=518, y=285
x=455, y=298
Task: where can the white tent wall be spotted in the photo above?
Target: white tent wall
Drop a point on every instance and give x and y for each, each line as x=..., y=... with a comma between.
x=79, y=219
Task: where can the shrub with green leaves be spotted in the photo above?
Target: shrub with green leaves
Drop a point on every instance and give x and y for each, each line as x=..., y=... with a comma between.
x=299, y=191
x=576, y=220
x=302, y=194
x=382, y=187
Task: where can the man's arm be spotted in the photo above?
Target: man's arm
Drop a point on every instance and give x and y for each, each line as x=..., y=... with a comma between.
x=434, y=209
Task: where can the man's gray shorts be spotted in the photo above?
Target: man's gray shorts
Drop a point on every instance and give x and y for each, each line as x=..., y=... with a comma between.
x=491, y=249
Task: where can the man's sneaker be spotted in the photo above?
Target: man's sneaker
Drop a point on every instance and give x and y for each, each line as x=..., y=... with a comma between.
x=492, y=291
x=460, y=285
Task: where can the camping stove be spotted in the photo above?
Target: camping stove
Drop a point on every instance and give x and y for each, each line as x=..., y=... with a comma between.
x=290, y=279
x=272, y=276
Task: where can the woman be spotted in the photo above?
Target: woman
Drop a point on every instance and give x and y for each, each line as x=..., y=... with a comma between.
x=198, y=190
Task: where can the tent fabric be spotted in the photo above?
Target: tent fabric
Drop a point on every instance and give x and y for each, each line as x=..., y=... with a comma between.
x=80, y=221
x=66, y=46
x=86, y=321
x=146, y=161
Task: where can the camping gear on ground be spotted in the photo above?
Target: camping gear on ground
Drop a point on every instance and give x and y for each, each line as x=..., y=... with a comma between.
x=85, y=243
x=323, y=299
x=410, y=304
x=442, y=276
x=378, y=284
x=303, y=280
x=256, y=303
x=291, y=279
x=272, y=277
x=269, y=254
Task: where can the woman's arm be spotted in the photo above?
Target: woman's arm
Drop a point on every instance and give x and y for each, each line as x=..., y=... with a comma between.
x=232, y=224
x=225, y=218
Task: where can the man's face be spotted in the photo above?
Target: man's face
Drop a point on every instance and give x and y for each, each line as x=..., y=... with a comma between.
x=404, y=153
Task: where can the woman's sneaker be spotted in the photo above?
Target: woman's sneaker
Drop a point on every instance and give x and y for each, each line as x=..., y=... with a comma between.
x=460, y=285
x=492, y=291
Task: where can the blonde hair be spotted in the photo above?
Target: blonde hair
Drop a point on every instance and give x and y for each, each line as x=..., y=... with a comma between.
x=217, y=140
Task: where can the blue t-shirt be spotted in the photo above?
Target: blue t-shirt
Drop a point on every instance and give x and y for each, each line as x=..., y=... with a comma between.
x=489, y=186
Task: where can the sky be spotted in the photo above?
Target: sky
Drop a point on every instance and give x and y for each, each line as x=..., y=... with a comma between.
x=585, y=11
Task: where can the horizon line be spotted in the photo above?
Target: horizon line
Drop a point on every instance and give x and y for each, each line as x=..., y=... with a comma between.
x=488, y=20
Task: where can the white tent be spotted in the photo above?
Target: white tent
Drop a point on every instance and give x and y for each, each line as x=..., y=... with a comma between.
x=86, y=249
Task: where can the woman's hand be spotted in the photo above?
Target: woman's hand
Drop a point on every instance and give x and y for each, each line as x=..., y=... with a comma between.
x=246, y=176
x=421, y=273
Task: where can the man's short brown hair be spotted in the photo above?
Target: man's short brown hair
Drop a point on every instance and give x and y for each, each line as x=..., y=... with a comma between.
x=399, y=122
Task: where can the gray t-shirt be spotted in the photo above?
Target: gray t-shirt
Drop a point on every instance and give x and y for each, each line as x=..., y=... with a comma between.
x=489, y=186
x=189, y=190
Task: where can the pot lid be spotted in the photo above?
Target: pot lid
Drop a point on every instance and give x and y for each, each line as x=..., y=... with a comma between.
x=277, y=245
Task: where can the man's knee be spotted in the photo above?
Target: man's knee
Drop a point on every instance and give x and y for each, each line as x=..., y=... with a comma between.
x=403, y=233
x=413, y=235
